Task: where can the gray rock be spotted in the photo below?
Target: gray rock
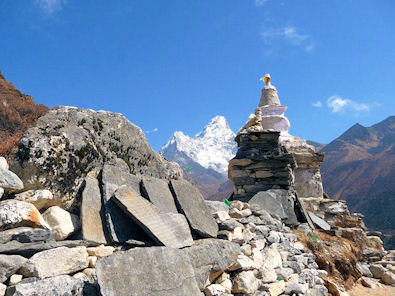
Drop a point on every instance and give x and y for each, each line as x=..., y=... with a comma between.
x=9, y=264
x=120, y=226
x=363, y=268
x=55, y=262
x=147, y=271
x=68, y=142
x=377, y=270
x=9, y=181
x=267, y=200
x=59, y=285
x=15, y=213
x=171, y=231
x=158, y=192
x=210, y=257
x=190, y=202
x=216, y=206
x=319, y=222
x=230, y=224
x=92, y=212
x=29, y=249
x=26, y=235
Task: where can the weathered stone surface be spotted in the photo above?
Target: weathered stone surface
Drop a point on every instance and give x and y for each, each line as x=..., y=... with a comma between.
x=61, y=222
x=216, y=206
x=100, y=251
x=92, y=212
x=15, y=279
x=268, y=201
x=15, y=213
x=211, y=256
x=120, y=226
x=9, y=264
x=319, y=222
x=59, y=285
x=191, y=203
x=68, y=142
x=276, y=288
x=3, y=288
x=156, y=271
x=1, y=192
x=28, y=249
x=3, y=163
x=158, y=225
x=158, y=192
x=245, y=282
x=41, y=199
x=26, y=235
x=9, y=181
x=55, y=262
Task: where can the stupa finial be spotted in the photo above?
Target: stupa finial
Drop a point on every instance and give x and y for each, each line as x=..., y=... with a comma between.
x=266, y=79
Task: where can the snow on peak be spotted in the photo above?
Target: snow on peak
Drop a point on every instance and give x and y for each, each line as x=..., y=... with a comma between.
x=213, y=147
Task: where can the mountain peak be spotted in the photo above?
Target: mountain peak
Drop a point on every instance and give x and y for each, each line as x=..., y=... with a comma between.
x=211, y=148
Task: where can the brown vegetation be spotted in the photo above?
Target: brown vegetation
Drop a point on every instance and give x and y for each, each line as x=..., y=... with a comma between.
x=18, y=112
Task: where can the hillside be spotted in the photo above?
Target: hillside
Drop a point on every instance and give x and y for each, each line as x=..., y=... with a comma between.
x=18, y=112
x=360, y=168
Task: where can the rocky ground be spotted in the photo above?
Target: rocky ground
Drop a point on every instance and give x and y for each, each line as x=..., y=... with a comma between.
x=87, y=215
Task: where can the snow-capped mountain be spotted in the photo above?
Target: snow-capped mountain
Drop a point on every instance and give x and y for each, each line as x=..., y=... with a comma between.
x=212, y=148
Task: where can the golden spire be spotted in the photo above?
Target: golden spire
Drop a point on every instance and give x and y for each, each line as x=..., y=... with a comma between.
x=266, y=79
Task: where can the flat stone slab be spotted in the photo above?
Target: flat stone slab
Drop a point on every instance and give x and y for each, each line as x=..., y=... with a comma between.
x=58, y=285
x=158, y=192
x=120, y=227
x=91, y=212
x=319, y=222
x=191, y=203
x=26, y=235
x=155, y=271
x=29, y=249
x=171, y=230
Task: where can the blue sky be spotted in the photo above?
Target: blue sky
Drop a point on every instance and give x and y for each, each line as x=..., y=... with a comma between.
x=173, y=65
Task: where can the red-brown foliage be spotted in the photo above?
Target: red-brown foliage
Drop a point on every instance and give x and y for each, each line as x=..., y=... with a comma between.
x=18, y=112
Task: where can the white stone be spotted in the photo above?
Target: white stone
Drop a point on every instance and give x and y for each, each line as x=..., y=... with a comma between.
x=272, y=257
x=62, y=222
x=237, y=235
x=296, y=288
x=100, y=251
x=267, y=275
x=92, y=261
x=243, y=262
x=2, y=289
x=1, y=192
x=221, y=216
x=227, y=284
x=245, y=282
x=41, y=199
x=14, y=279
x=276, y=288
x=388, y=278
x=3, y=163
x=237, y=204
x=248, y=235
x=258, y=244
x=246, y=249
x=257, y=258
x=214, y=290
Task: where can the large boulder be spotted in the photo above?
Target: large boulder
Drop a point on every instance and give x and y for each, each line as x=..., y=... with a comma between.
x=55, y=262
x=156, y=271
x=64, y=285
x=15, y=213
x=68, y=142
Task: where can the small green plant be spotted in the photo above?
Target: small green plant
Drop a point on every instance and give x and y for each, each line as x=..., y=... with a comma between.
x=313, y=236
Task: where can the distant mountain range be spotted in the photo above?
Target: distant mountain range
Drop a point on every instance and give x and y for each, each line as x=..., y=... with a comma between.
x=359, y=167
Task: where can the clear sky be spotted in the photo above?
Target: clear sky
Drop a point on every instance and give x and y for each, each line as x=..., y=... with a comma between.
x=173, y=65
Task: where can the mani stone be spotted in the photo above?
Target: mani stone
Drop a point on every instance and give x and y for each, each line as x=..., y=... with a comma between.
x=120, y=227
x=64, y=285
x=26, y=235
x=319, y=222
x=15, y=213
x=56, y=261
x=9, y=264
x=191, y=203
x=9, y=181
x=91, y=212
x=158, y=192
x=154, y=271
x=161, y=227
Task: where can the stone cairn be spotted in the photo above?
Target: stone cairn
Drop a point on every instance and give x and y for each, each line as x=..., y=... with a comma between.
x=114, y=219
